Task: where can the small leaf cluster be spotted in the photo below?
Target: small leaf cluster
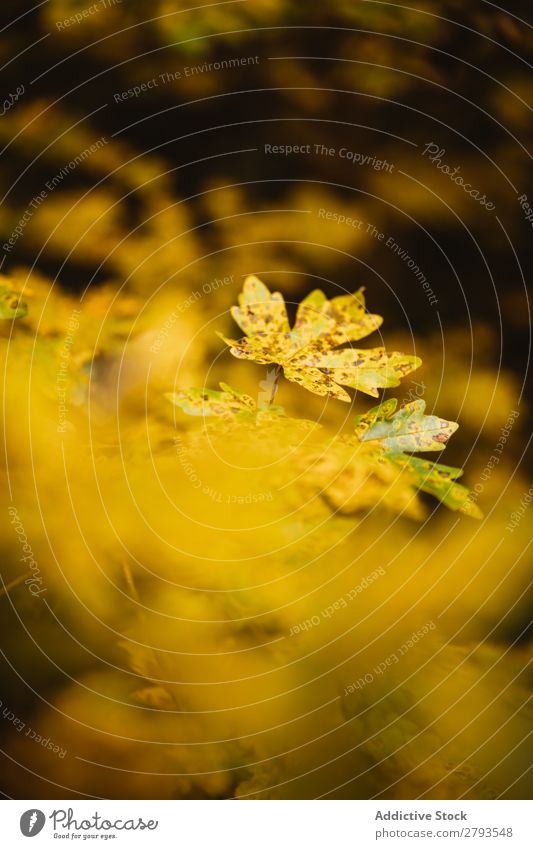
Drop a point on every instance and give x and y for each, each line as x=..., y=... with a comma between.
x=372, y=464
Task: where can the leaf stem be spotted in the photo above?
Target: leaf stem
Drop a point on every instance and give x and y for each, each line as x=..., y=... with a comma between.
x=275, y=383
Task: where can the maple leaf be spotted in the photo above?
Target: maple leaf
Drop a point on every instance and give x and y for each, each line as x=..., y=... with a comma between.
x=211, y=402
x=10, y=304
x=238, y=414
x=408, y=429
x=310, y=353
x=355, y=471
x=230, y=403
x=371, y=464
x=439, y=481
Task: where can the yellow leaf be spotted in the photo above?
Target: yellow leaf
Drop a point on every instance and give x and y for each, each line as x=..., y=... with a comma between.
x=310, y=353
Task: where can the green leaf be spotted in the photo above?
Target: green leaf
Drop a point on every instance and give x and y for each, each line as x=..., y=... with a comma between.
x=439, y=481
x=408, y=429
x=370, y=466
x=310, y=353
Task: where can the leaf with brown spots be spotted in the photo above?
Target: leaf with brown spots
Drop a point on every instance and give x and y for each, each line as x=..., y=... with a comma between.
x=407, y=429
x=211, y=402
x=371, y=466
x=439, y=481
x=311, y=353
x=10, y=304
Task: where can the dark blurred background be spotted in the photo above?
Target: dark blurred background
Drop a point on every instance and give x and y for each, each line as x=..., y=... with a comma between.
x=376, y=78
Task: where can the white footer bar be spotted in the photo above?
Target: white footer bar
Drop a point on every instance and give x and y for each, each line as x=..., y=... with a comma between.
x=267, y=824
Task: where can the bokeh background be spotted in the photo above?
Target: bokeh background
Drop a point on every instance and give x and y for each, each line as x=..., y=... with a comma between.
x=159, y=655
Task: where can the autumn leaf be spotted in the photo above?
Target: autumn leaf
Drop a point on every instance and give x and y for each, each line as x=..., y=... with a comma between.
x=311, y=353
x=228, y=404
x=406, y=430
x=211, y=402
x=439, y=481
x=371, y=465
x=10, y=304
